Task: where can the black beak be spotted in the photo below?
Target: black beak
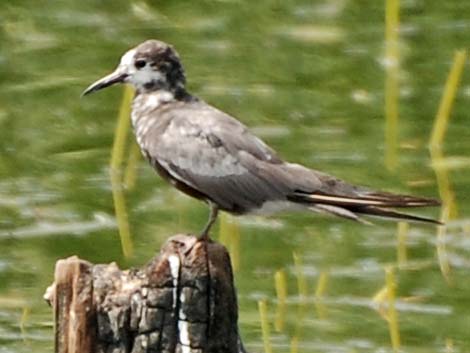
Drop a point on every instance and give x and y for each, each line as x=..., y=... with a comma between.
x=111, y=79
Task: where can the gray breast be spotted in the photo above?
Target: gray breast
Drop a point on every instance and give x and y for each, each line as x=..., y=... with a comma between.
x=146, y=113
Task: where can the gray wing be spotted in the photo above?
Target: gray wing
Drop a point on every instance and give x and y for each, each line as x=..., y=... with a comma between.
x=216, y=155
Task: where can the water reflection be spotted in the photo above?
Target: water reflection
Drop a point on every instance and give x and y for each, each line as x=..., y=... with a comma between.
x=306, y=77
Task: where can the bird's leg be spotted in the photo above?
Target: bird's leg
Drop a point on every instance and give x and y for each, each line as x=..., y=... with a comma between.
x=212, y=218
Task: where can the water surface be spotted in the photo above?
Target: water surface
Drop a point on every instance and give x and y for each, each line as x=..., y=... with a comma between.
x=307, y=76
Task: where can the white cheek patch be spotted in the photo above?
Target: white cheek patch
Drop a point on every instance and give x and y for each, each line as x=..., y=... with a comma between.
x=145, y=75
x=139, y=78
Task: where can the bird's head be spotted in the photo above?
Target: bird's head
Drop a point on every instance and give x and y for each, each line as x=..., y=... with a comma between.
x=151, y=66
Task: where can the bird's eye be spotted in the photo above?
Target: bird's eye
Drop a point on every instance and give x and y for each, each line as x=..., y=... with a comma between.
x=140, y=63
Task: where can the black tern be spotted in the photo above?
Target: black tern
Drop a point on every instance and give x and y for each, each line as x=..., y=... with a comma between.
x=213, y=157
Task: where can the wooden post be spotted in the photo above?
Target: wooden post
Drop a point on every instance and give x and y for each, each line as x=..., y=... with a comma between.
x=183, y=301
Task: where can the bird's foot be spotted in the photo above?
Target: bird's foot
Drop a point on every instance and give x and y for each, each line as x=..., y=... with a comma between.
x=204, y=236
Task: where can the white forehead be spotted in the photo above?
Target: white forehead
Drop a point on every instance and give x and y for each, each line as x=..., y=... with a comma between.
x=128, y=58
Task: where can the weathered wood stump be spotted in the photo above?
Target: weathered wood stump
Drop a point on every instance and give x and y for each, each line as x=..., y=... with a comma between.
x=183, y=301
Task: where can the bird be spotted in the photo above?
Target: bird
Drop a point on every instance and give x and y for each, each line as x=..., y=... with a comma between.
x=210, y=155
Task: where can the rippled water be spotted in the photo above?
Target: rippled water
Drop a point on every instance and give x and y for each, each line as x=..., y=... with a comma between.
x=307, y=76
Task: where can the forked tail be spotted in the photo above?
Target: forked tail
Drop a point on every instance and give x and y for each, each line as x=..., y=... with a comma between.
x=369, y=203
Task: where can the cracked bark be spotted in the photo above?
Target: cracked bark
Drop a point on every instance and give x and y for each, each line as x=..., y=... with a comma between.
x=183, y=301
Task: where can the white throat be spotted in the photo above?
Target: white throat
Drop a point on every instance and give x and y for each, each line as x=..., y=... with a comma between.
x=155, y=99
x=143, y=105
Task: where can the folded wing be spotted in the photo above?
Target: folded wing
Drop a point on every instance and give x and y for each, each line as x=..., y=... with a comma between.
x=215, y=155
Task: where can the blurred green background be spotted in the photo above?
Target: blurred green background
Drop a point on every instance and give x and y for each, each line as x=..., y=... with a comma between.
x=308, y=77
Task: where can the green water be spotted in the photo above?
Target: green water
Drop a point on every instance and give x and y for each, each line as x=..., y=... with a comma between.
x=307, y=76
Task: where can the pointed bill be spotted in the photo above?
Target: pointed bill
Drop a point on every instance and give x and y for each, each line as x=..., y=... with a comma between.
x=115, y=77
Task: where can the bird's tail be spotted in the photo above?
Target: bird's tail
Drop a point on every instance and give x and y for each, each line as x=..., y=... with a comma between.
x=369, y=203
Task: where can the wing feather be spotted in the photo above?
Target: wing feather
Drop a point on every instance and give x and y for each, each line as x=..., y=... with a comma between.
x=215, y=154
x=218, y=157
